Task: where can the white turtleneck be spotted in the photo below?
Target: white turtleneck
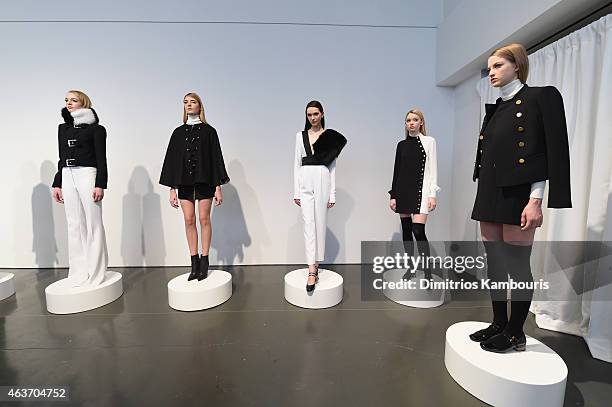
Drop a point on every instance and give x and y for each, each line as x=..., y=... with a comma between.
x=193, y=119
x=508, y=91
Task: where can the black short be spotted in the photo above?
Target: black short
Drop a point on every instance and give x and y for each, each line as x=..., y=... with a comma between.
x=196, y=192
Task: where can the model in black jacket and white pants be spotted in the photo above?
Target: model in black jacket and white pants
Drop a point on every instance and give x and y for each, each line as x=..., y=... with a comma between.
x=314, y=172
x=79, y=184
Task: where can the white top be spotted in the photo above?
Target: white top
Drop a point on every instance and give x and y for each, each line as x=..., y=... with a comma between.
x=507, y=92
x=301, y=152
x=193, y=119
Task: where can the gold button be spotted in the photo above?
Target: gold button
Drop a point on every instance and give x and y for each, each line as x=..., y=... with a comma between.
x=520, y=129
x=521, y=161
x=521, y=144
x=481, y=137
x=518, y=101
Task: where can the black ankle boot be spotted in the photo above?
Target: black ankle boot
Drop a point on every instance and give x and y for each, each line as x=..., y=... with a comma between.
x=195, y=266
x=203, y=268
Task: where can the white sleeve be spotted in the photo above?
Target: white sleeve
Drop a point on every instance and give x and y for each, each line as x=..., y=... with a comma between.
x=432, y=161
x=296, y=166
x=332, y=182
x=537, y=189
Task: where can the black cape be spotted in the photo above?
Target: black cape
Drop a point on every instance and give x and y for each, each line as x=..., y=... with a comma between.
x=328, y=147
x=210, y=169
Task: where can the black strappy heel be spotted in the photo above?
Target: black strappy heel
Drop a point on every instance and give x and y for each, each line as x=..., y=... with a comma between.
x=311, y=287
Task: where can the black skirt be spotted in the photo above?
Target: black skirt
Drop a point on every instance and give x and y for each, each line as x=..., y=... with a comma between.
x=196, y=192
x=497, y=204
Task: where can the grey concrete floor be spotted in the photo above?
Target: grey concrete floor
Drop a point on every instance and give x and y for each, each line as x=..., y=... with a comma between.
x=254, y=350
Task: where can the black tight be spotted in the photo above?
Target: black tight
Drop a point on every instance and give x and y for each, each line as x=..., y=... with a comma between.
x=503, y=260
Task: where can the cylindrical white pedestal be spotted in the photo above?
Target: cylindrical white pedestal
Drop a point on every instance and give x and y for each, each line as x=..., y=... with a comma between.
x=413, y=296
x=7, y=285
x=327, y=293
x=533, y=378
x=63, y=298
x=197, y=295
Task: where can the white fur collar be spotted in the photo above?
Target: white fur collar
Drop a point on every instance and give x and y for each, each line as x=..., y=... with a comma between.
x=83, y=116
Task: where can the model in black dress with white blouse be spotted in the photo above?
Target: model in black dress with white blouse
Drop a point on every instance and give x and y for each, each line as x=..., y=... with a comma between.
x=415, y=184
x=194, y=166
x=523, y=143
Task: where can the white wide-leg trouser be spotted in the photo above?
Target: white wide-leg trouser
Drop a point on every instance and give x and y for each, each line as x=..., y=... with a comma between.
x=314, y=196
x=87, y=252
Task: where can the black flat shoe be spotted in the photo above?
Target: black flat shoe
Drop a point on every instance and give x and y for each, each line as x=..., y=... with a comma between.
x=311, y=287
x=503, y=343
x=195, y=266
x=203, y=268
x=487, y=333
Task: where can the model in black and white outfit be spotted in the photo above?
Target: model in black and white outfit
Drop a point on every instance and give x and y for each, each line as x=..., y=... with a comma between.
x=523, y=143
x=415, y=184
x=316, y=150
x=194, y=166
x=79, y=184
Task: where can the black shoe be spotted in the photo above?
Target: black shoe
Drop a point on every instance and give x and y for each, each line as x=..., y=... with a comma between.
x=408, y=275
x=203, y=268
x=487, y=333
x=311, y=287
x=504, y=342
x=195, y=266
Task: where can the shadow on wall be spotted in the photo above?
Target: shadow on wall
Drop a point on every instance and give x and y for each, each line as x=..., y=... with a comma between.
x=49, y=231
x=230, y=230
x=337, y=219
x=142, y=232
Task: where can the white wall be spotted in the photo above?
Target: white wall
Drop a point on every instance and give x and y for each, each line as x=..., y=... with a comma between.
x=255, y=80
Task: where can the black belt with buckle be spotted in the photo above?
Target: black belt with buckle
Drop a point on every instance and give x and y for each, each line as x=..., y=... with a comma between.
x=72, y=142
x=70, y=162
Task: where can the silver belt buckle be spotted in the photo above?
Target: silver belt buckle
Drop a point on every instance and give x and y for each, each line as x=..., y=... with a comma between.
x=72, y=142
x=70, y=162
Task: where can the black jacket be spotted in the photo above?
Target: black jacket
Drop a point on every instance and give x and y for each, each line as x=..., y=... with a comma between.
x=533, y=145
x=205, y=152
x=84, y=146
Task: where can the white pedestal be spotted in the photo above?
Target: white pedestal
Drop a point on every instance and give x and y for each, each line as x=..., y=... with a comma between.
x=63, y=298
x=413, y=297
x=7, y=285
x=197, y=295
x=327, y=293
x=533, y=378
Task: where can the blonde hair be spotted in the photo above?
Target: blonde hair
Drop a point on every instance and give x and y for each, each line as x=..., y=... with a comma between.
x=196, y=97
x=422, y=129
x=517, y=54
x=82, y=97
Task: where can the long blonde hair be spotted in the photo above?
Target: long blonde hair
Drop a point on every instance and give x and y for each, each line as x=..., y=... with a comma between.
x=517, y=54
x=196, y=97
x=82, y=97
x=422, y=129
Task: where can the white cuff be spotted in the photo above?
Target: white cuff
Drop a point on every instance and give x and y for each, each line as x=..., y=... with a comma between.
x=537, y=190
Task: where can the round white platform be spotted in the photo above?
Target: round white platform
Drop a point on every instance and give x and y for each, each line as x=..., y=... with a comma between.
x=197, y=295
x=415, y=296
x=533, y=378
x=7, y=285
x=327, y=293
x=63, y=298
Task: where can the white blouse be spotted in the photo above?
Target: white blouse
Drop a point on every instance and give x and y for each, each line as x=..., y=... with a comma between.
x=301, y=152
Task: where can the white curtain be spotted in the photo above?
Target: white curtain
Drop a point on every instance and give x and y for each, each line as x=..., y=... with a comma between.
x=580, y=66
